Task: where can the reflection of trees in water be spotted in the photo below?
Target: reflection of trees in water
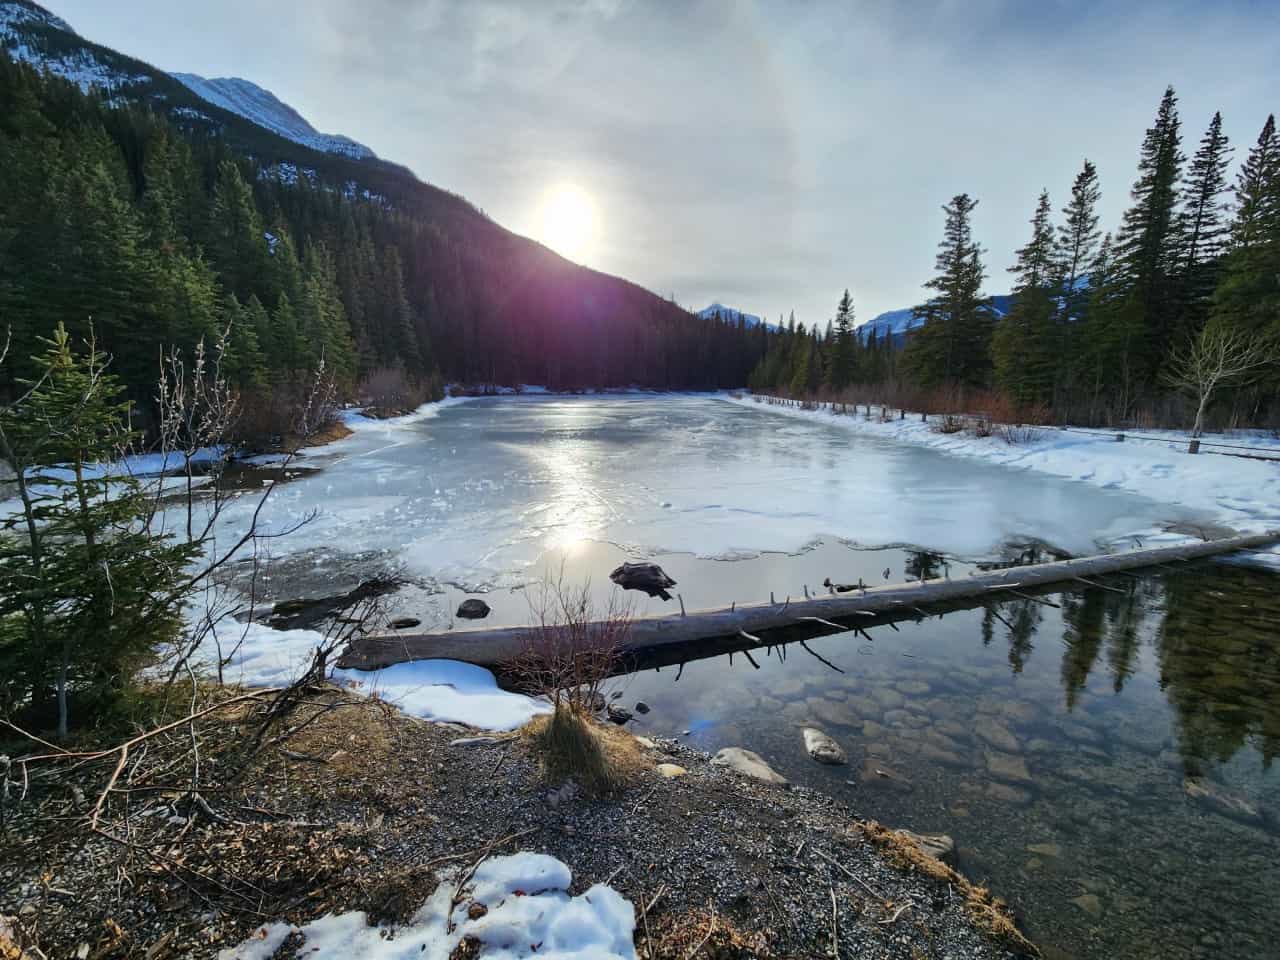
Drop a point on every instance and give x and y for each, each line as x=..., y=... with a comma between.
x=924, y=565
x=1020, y=618
x=1098, y=619
x=1219, y=654
x=1214, y=630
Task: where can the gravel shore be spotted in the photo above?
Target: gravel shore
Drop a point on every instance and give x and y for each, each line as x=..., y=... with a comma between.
x=366, y=807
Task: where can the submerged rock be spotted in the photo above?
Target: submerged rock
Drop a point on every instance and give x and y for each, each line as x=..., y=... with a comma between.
x=995, y=733
x=473, y=609
x=822, y=748
x=1008, y=768
x=1217, y=799
x=937, y=845
x=648, y=577
x=1003, y=793
x=748, y=763
x=404, y=623
x=876, y=772
x=642, y=707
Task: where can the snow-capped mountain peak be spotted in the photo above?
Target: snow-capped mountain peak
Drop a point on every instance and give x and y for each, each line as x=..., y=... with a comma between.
x=266, y=110
x=732, y=314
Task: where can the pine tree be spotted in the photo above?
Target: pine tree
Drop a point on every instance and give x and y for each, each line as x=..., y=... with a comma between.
x=1023, y=346
x=842, y=345
x=1078, y=239
x=1148, y=245
x=1248, y=293
x=953, y=345
x=1204, y=223
x=86, y=588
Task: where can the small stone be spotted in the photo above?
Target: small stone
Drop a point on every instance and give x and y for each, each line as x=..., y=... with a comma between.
x=646, y=743
x=671, y=770
x=913, y=688
x=473, y=609
x=822, y=748
x=476, y=911
x=642, y=707
x=404, y=623
x=1090, y=904
x=748, y=763
x=876, y=773
x=1044, y=849
x=872, y=730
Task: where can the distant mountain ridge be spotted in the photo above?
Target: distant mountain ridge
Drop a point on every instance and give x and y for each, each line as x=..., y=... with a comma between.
x=30, y=33
x=732, y=313
x=266, y=110
x=898, y=323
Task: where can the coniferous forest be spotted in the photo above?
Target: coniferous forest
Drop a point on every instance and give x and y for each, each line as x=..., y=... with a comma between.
x=1100, y=327
x=115, y=219
x=151, y=234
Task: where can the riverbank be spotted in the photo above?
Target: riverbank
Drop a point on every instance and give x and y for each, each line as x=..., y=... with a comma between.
x=367, y=809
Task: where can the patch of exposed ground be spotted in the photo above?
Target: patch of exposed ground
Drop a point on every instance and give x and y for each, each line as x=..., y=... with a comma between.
x=361, y=806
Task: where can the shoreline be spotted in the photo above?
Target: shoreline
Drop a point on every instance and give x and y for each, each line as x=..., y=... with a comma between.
x=366, y=803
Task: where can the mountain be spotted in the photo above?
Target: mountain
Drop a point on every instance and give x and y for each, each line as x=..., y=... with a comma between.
x=897, y=323
x=730, y=313
x=189, y=203
x=263, y=108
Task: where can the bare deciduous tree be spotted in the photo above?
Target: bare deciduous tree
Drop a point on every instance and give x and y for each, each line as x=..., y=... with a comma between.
x=1218, y=356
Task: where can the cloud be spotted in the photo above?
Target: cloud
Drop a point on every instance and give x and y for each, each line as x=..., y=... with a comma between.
x=764, y=154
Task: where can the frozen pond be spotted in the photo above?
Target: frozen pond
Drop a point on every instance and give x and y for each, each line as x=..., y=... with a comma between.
x=481, y=489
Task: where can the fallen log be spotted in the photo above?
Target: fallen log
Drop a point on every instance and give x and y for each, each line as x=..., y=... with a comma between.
x=791, y=620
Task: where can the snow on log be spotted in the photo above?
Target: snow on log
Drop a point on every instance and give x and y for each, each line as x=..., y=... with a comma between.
x=793, y=619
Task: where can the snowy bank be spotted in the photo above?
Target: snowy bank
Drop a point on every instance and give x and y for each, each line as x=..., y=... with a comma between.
x=528, y=912
x=445, y=691
x=1240, y=493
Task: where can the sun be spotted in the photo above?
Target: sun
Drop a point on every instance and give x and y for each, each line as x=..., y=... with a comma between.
x=567, y=221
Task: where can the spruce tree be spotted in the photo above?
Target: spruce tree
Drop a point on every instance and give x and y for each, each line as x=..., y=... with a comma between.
x=86, y=588
x=1248, y=292
x=1023, y=346
x=1148, y=245
x=1077, y=242
x=1204, y=225
x=842, y=345
x=953, y=345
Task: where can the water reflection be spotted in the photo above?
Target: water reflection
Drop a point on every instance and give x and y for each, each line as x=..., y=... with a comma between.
x=1105, y=762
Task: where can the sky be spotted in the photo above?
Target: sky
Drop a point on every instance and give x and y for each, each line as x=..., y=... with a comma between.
x=763, y=154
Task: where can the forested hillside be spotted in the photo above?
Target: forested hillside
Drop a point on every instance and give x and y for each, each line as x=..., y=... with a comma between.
x=153, y=232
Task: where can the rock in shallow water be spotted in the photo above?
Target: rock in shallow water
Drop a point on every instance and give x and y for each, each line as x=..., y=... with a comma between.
x=822, y=748
x=1010, y=769
x=749, y=763
x=473, y=609
x=995, y=733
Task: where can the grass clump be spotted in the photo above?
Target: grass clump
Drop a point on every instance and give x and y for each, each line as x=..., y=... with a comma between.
x=571, y=746
x=989, y=913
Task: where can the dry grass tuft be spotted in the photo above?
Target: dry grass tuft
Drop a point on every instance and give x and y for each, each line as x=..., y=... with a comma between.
x=570, y=745
x=988, y=912
x=702, y=933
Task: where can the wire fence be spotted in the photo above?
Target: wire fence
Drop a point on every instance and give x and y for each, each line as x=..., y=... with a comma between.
x=1194, y=445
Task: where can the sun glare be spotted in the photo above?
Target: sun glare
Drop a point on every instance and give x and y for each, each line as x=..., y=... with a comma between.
x=567, y=222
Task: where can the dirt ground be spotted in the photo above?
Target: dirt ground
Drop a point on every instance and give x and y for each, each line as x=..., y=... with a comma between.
x=358, y=807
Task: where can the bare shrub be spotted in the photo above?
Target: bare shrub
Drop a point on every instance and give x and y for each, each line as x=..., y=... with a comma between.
x=950, y=424
x=389, y=392
x=567, y=656
x=1017, y=434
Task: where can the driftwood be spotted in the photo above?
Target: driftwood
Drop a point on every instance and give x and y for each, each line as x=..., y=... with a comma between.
x=762, y=623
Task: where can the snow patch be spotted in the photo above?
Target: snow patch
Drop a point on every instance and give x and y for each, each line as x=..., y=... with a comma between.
x=529, y=914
